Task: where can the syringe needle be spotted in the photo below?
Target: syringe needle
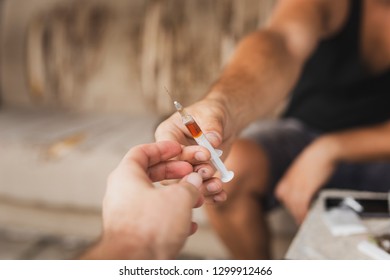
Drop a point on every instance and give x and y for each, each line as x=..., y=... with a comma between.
x=169, y=94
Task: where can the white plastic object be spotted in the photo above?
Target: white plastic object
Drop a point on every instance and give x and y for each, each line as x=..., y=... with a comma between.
x=226, y=175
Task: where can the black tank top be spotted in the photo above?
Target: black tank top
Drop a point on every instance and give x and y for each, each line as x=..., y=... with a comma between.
x=335, y=91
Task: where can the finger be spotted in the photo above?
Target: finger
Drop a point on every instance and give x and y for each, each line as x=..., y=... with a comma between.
x=172, y=129
x=193, y=228
x=199, y=202
x=195, y=154
x=214, y=138
x=211, y=187
x=186, y=191
x=147, y=155
x=210, y=116
x=169, y=170
x=216, y=199
x=189, y=187
x=205, y=170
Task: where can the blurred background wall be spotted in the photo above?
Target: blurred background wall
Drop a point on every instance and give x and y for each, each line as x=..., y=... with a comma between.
x=117, y=56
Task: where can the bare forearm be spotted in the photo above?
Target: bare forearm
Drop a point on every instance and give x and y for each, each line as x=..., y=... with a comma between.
x=359, y=144
x=267, y=63
x=259, y=76
x=116, y=249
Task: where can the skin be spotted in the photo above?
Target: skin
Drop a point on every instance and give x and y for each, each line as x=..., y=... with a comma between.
x=258, y=78
x=141, y=221
x=296, y=191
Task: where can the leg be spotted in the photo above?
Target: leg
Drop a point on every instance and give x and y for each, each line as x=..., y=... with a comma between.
x=240, y=222
x=258, y=164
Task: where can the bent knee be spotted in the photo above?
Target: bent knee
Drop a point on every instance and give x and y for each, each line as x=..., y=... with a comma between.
x=250, y=166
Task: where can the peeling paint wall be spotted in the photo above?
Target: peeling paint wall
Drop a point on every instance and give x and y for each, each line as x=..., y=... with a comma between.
x=117, y=56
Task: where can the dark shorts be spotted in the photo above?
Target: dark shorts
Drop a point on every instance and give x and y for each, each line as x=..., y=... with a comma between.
x=282, y=140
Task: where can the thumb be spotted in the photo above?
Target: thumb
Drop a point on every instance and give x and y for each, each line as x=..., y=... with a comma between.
x=214, y=138
x=194, y=179
x=191, y=184
x=213, y=130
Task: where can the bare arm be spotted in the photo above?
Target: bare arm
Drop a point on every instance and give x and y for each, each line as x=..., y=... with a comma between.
x=261, y=72
x=143, y=222
x=364, y=144
x=267, y=63
x=316, y=164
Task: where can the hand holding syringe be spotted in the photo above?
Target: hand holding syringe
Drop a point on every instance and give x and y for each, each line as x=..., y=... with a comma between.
x=201, y=139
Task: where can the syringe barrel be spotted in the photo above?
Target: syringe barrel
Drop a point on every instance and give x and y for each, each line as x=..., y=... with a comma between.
x=199, y=137
x=226, y=175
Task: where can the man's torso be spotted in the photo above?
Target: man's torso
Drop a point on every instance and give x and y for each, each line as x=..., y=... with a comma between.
x=346, y=81
x=375, y=35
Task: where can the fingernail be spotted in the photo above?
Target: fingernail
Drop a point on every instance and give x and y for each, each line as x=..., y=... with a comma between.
x=212, y=187
x=200, y=156
x=213, y=138
x=203, y=173
x=219, y=198
x=194, y=179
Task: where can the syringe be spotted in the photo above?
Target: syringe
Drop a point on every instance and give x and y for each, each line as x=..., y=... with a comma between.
x=201, y=139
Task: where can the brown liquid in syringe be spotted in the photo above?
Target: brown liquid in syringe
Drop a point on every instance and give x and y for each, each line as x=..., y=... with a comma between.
x=194, y=129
